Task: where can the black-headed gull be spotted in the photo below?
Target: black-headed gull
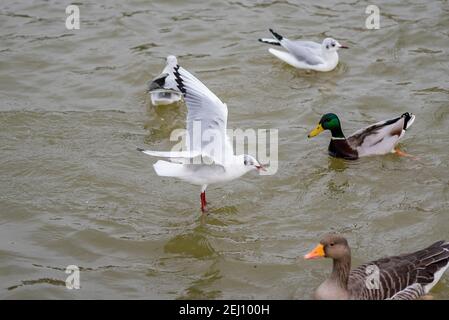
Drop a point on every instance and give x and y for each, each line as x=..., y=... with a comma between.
x=209, y=157
x=306, y=54
x=159, y=94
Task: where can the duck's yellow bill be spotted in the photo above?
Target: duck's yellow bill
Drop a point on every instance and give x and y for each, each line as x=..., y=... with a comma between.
x=318, y=252
x=316, y=131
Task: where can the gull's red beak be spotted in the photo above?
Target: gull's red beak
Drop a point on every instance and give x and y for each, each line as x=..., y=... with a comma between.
x=261, y=168
x=344, y=47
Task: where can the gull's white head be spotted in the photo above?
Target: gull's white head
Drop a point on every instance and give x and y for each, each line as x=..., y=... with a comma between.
x=332, y=45
x=250, y=163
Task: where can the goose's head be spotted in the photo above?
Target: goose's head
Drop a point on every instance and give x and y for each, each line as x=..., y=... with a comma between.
x=332, y=246
x=331, y=45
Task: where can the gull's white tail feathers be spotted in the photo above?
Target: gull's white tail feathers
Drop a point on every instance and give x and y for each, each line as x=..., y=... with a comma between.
x=286, y=57
x=169, y=169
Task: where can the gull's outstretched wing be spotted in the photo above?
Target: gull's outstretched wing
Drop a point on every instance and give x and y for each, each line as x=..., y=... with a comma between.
x=206, y=117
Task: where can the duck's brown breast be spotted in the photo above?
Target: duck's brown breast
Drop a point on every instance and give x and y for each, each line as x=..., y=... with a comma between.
x=341, y=149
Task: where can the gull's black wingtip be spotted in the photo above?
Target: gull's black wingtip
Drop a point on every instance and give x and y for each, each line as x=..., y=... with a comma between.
x=140, y=149
x=276, y=35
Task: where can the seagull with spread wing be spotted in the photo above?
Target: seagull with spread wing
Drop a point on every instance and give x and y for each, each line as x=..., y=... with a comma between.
x=209, y=157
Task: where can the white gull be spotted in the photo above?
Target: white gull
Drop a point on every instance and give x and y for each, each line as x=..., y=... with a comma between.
x=306, y=54
x=209, y=157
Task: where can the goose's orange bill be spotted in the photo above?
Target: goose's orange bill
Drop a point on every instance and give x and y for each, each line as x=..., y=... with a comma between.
x=318, y=252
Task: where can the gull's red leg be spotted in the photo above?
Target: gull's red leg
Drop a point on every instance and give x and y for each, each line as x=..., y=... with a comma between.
x=203, y=201
x=203, y=198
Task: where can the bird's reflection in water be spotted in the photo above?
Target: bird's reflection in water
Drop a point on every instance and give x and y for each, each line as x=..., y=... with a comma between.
x=337, y=164
x=193, y=243
x=163, y=120
x=197, y=288
x=215, y=215
x=338, y=184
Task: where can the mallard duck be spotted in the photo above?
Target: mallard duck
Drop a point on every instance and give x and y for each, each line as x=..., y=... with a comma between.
x=404, y=277
x=377, y=139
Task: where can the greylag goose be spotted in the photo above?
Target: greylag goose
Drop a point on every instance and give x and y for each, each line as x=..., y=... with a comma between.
x=404, y=277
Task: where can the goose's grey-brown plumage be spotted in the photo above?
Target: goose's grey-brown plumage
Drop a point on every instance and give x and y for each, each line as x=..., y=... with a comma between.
x=403, y=277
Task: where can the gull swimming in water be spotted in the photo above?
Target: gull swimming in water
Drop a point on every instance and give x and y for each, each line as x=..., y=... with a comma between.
x=306, y=54
x=159, y=94
x=209, y=158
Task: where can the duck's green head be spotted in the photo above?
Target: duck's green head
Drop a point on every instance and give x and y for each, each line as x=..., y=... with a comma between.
x=330, y=122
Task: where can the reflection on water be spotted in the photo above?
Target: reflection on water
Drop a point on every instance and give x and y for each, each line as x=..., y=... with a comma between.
x=163, y=120
x=194, y=244
x=338, y=165
x=199, y=289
